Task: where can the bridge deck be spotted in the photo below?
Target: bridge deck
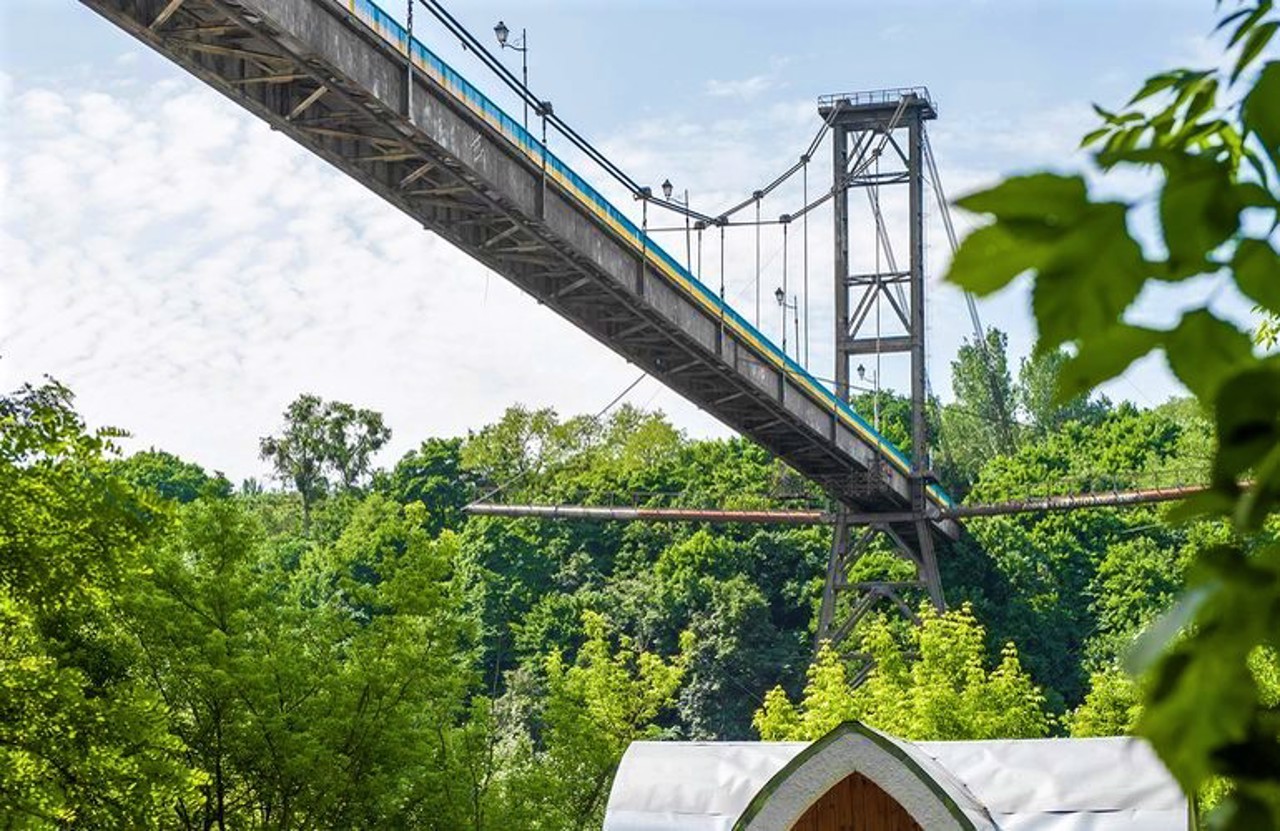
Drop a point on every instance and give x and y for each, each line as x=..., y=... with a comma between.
x=331, y=74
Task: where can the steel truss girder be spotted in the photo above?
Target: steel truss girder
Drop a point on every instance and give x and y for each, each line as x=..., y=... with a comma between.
x=846, y=603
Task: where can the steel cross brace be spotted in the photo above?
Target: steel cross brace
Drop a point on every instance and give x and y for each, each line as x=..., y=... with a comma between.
x=845, y=603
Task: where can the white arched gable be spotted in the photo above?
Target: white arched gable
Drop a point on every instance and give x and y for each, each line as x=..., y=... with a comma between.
x=925, y=790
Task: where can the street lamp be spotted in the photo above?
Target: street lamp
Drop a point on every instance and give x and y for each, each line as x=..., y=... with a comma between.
x=781, y=296
x=502, y=33
x=668, y=193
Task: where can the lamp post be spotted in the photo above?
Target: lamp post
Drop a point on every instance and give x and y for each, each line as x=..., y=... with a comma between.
x=502, y=33
x=781, y=296
x=668, y=194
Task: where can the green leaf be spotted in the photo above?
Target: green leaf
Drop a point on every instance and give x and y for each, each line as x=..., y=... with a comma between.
x=1254, y=15
x=1199, y=210
x=1143, y=156
x=989, y=259
x=1240, y=812
x=1042, y=197
x=1256, y=266
x=1201, y=102
x=1217, y=502
x=1154, y=84
x=1248, y=420
x=1088, y=278
x=1260, y=497
x=1205, y=351
x=1093, y=136
x=1148, y=647
x=1261, y=113
x=1234, y=16
x=1253, y=46
x=1201, y=699
x=1103, y=357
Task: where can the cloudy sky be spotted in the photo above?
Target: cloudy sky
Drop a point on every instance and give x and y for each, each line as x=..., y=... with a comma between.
x=188, y=272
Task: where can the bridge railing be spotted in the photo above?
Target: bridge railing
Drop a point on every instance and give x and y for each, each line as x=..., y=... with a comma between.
x=876, y=96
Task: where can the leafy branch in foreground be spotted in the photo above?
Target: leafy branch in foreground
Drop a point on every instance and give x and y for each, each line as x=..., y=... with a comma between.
x=1213, y=136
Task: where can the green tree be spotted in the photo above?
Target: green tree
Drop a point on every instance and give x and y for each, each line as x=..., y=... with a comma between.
x=738, y=653
x=1037, y=395
x=433, y=476
x=83, y=739
x=298, y=454
x=936, y=685
x=320, y=437
x=321, y=694
x=1111, y=708
x=980, y=424
x=1058, y=584
x=523, y=446
x=353, y=436
x=594, y=708
x=1213, y=138
x=170, y=477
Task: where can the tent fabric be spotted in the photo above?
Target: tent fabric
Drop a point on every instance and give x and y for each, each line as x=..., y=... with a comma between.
x=1097, y=784
x=1102, y=784
x=691, y=786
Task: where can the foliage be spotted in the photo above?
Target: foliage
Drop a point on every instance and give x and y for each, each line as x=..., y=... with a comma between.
x=169, y=477
x=322, y=437
x=594, y=707
x=433, y=476
x=1111, y=708
x=1268, y=332
x=983, y=411
x=305, y=695
x=1213, y=138
x=994, y=416
x=1045, y=414
x=934, y=683
x=399, y=664
x=83, y=738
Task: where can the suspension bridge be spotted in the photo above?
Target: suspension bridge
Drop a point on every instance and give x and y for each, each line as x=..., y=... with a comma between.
x=346, y=80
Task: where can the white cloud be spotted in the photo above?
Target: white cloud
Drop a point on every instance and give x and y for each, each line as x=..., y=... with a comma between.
x=744, y=89
x=188, y=272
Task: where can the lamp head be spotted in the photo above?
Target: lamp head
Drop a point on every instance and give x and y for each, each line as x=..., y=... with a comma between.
x=501, y=31
x=666, y=189
x=780, y=295
x=862, y=372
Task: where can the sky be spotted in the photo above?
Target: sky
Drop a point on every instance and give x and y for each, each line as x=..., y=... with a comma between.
x=188, y=272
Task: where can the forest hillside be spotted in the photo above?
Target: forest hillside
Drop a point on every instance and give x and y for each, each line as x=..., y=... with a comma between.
x=339, y=645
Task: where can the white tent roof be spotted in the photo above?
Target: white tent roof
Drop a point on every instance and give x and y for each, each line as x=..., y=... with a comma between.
x=1105, y=784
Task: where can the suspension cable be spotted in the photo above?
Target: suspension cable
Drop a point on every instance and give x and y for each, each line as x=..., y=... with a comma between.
x=699, y=274
x=784, y=292
x=758, y=195
x=979, y=333
x=805, y=221
x=722, y=303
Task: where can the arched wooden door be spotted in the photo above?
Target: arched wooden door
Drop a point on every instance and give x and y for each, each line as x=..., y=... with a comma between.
x=855, y=803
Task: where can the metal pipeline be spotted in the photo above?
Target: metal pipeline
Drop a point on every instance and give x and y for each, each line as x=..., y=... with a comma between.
x=1108, y=499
